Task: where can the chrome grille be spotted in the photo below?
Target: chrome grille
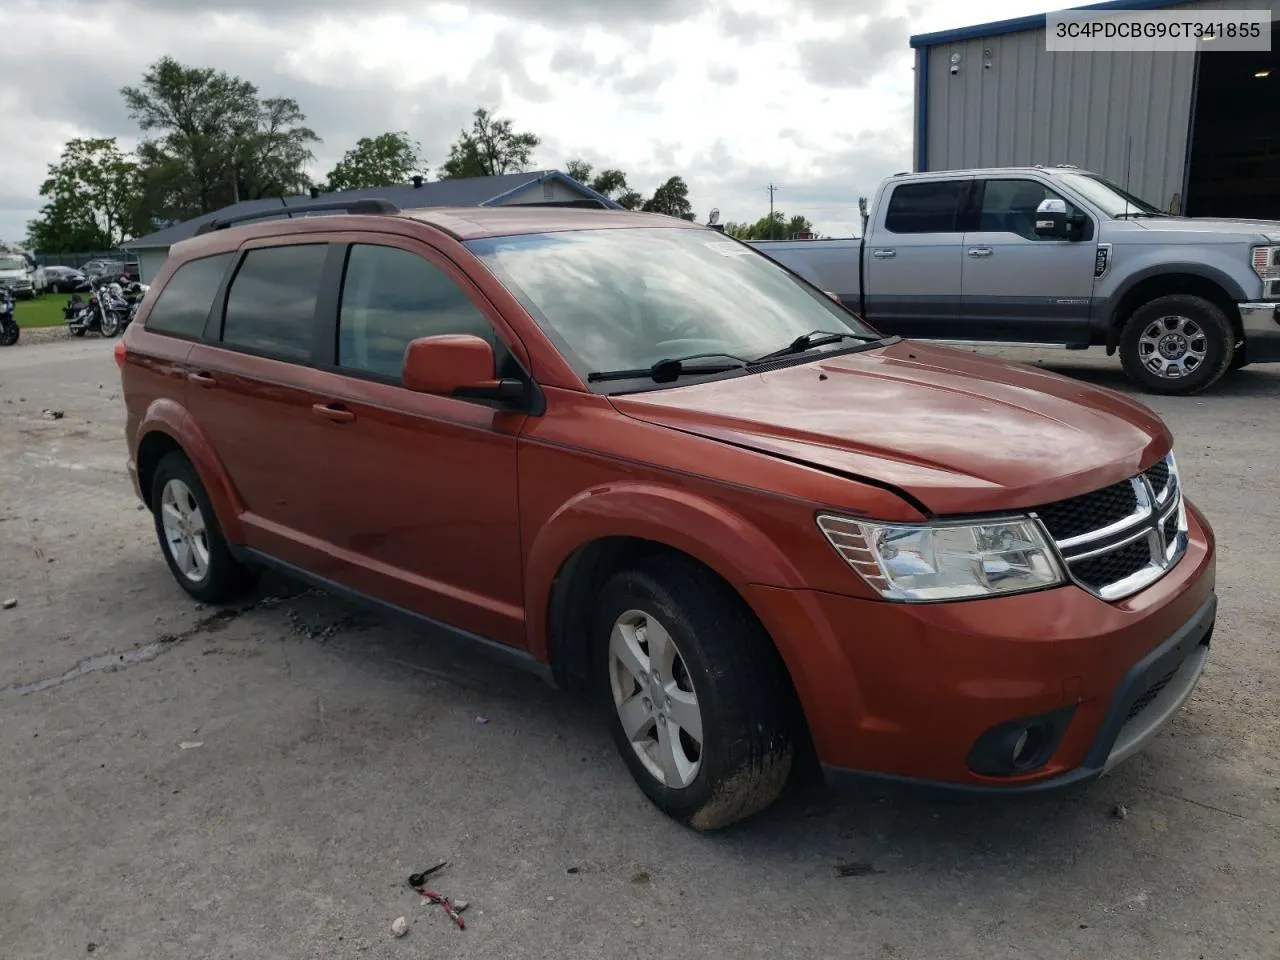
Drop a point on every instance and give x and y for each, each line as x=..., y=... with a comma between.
x=1121, y=539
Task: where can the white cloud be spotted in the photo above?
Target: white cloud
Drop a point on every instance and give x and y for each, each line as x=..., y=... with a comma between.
x=811, y=95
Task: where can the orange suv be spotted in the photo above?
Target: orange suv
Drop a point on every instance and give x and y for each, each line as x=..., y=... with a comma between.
x=644, y=460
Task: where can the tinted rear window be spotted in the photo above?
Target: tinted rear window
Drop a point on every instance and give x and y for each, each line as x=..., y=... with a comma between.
x=924, y=207
x=183, y=304
x=271, y=305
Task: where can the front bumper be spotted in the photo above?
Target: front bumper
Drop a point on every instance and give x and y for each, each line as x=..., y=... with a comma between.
x=904, y=693
x=1260, y=323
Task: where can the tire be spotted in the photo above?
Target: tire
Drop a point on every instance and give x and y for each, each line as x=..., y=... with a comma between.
x=109, y=326
x=735, y=679
x=1194, y=325
x=76, y=331
x=9, y=334
x=213, y=575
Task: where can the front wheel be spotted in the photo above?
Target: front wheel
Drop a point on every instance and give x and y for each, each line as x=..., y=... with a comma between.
x=190, y=538
x=9, y=333
x=1177, y=345
x=110, y=324
x=697, y=694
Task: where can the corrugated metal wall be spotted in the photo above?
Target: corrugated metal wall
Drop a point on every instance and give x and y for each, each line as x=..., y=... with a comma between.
x=1032, y=106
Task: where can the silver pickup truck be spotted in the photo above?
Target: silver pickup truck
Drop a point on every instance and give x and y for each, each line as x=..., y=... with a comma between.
x=1057, y=256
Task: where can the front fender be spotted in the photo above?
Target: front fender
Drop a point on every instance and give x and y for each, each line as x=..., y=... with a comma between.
x=711, y=533
x=170, y=418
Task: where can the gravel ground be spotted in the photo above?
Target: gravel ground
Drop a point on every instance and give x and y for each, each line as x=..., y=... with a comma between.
x=260, y=781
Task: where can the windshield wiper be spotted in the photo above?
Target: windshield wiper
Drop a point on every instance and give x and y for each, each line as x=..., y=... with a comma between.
x=665, y=371
x=807, y=341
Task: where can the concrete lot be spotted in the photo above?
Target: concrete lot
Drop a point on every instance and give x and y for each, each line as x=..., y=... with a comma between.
x=337, y=754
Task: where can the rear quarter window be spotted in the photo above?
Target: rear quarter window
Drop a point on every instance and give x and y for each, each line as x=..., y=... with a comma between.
x=183, y=305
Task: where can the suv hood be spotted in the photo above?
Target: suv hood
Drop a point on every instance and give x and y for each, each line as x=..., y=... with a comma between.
x=956, y=432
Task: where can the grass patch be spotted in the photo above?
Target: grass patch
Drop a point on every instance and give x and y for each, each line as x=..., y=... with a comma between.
x=43, y=311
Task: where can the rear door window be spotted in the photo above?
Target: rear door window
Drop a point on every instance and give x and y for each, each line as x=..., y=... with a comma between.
x=928, y=207
x=183, y=305
x=391, y=296
x=271, y=306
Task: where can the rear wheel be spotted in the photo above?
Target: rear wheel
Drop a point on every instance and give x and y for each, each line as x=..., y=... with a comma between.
x=1176, y=345
x=190, y=538
x=696, y=691
x=9, y=333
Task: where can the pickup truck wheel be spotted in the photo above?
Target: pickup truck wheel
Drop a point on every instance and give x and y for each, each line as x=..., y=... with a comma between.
x=190, y=538
x=696, y=693
x=1176, y=345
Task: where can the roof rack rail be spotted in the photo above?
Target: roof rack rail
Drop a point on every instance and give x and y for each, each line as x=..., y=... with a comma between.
x=342, y=206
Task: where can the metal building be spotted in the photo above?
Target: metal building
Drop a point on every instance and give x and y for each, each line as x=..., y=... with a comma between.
x=1193, y=133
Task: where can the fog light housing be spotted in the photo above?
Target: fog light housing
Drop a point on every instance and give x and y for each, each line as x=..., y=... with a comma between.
x=1019, y=746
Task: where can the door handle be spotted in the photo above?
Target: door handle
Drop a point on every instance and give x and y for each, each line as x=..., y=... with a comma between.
x=884, y=254
x=202, y=380
x=980, y=251
x=333, y=411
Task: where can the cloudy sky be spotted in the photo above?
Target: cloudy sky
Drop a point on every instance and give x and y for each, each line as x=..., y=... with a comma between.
x=814, y=96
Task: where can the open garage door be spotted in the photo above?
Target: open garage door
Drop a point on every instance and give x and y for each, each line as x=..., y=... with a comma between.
x=1235, y=140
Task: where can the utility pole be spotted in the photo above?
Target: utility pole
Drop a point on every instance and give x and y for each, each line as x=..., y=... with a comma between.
x=772, y=188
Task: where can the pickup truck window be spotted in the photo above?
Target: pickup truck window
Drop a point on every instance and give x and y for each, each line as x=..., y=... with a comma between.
x=1110, y=199
x=928, y=207
x=627, y=299
x=1009, y=206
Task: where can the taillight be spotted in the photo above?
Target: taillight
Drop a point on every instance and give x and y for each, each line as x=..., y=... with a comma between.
x=118, y=352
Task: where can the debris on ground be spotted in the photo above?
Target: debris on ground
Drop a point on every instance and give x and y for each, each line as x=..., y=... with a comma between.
x=574, y=870
x=52, y=414
x=190, y=744
x=419, y=883
x=400, y=927
x=10, y=603
x=1119, y=811
x=640, y=876
x=482, y=720
x=856, y=869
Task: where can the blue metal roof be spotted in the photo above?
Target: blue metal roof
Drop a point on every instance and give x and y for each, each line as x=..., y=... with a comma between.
x=1033, y=22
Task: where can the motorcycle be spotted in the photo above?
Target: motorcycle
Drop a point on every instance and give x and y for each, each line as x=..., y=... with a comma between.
x=106, y=311
x=8, y=326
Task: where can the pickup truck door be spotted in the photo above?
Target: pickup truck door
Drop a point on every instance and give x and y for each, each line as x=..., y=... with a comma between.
x=1018, y=287
x=915, y=260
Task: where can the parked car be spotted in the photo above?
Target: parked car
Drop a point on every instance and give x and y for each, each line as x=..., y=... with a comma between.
x=21, y=274
x=639, y=459
x=1058, y=256
x=112, y=270
x=65, y=279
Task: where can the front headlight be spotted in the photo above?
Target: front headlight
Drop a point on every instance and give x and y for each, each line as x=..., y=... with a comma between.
x=1266, y=264
x=946, y=561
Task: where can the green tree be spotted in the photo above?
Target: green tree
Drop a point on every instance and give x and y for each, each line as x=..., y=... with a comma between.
x=93, y=192
x=380, y=161
x=777, y=227
x=214, y=141
x=672, y=199
x=610, y=182
x=490, y=148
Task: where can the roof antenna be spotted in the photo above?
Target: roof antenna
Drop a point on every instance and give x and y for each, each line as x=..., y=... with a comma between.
x=1128, y=162
x=285, y=204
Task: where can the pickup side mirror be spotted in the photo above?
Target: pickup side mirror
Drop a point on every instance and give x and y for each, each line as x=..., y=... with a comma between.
x=457, y=365
x=1051, y=219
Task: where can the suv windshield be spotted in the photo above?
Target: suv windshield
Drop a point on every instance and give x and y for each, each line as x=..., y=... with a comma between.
x=625, y=299
x=12, y=263
x=1110, y=199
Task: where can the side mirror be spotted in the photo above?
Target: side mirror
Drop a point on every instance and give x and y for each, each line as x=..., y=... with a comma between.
x=1051, y=219
x=457, y=365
